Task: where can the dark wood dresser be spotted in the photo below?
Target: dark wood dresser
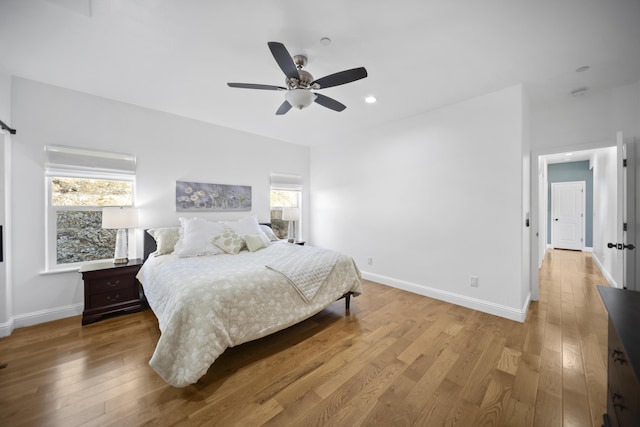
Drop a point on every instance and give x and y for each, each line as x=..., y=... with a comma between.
x=110, y=288
x=623, y=388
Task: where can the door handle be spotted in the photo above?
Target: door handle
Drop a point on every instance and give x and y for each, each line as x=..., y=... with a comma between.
x=621, y=246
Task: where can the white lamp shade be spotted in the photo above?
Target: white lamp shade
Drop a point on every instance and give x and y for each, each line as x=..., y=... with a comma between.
x=119, y=217
x=291, y=214
x=300, y=98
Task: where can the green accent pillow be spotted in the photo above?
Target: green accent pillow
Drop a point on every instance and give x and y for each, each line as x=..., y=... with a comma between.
x=229, y=241
x=254, y=242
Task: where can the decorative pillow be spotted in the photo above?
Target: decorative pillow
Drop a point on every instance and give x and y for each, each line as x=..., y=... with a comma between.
x=247, y=226
x=254, y=242
x=195, y=239
x=269, y=233
x=229, y=241
x=166, y=239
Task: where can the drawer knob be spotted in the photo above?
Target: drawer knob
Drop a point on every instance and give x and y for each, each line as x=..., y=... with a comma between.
x=619, y=406
x=115, y=298
x=618, y=356
x=114, y=283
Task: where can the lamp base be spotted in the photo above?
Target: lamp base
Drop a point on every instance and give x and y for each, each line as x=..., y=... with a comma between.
x=121, y=252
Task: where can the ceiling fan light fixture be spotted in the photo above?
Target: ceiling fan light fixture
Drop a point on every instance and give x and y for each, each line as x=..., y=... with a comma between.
x=300, y=98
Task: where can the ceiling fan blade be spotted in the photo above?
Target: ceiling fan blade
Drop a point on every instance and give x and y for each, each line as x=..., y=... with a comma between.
x=284, y=60
x=330, y=103
x=256, y=86
x=284, y=107
x=342, y=77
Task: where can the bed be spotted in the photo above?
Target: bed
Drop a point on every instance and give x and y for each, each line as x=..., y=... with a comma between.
x=206, y=304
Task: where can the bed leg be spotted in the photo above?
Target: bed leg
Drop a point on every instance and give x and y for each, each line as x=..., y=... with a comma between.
x=347, y=301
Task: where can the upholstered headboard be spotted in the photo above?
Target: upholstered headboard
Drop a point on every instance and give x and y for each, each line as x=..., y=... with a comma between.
x=149, y=243
x=148, y=246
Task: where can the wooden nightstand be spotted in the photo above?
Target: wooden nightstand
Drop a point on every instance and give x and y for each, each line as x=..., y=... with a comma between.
x=110, y=288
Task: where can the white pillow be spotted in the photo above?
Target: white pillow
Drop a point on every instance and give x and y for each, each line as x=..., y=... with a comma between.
x=196, y=238
x=229, y=241
x=166, y=239
x=268, y=231
x=254, y=242
x=247, y=226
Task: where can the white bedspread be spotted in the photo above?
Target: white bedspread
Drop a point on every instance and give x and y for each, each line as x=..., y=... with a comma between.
x=206, y=304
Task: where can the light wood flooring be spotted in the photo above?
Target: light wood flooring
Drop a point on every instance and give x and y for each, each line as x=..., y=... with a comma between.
x=397, y=359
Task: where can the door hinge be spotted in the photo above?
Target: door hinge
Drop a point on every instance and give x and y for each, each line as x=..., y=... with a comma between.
x=624, y=227
x=624, y=163
x=581, y=240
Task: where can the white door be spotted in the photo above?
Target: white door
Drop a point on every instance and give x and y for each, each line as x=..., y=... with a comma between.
x=3, y=237
x=630, y=253
x=567, y=215
x=623, y=251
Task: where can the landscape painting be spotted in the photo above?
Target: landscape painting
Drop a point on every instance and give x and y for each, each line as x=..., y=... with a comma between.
x=195, y=196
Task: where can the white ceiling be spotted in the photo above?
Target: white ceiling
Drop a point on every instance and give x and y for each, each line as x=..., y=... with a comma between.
x=177, y=55
x=572, y=156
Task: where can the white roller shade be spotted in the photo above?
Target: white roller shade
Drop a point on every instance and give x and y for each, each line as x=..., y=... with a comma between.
x=60, y=157
x=281, y=181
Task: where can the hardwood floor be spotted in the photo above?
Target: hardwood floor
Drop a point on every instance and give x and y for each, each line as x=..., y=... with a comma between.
x=397, y=359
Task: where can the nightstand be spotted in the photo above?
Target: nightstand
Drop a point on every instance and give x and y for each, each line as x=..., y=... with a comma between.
x=110, y=288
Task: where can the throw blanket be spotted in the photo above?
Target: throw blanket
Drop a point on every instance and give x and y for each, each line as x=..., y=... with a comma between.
x=306, y=269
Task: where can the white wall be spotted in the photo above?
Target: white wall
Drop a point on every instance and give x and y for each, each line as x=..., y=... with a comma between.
x=592, y=118
x=5, y=96
x=433, y=199
x=5, y=157
x=168, y=148
x=604, y=211
x=526, y=214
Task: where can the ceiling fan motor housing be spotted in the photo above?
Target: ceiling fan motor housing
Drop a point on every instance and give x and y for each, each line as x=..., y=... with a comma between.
x=303, y=82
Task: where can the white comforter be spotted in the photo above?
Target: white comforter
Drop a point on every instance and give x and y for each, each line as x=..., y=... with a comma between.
x=206, y=304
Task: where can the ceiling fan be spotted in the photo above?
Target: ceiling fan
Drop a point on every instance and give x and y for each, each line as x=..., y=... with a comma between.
x=300, y=85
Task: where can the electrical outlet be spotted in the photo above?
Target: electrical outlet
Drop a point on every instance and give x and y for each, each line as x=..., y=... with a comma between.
x=370, y=261
x=473, y=281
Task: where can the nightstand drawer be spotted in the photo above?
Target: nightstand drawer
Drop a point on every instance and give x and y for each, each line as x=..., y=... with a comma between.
x=112, y=283
x=114, y=297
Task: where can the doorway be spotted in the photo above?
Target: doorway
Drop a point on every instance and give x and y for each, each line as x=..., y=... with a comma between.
x=600, y=159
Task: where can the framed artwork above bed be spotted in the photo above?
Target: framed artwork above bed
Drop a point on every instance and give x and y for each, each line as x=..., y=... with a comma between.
x=196, y=196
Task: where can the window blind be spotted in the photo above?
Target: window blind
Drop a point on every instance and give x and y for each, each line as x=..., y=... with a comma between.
x=281, y=181
x=60, y=157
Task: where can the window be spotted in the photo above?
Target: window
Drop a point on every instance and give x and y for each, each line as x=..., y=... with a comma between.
x=285, y=197
x=79, y=183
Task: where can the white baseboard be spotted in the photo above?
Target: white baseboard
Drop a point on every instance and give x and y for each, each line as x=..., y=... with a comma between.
x=7, y=328
x=584, y=249
x=42, y=316
x=519, y=315
x=612, y=282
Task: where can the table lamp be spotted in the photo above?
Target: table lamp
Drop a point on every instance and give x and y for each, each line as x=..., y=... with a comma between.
x=292, y=215
x=120, y=218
